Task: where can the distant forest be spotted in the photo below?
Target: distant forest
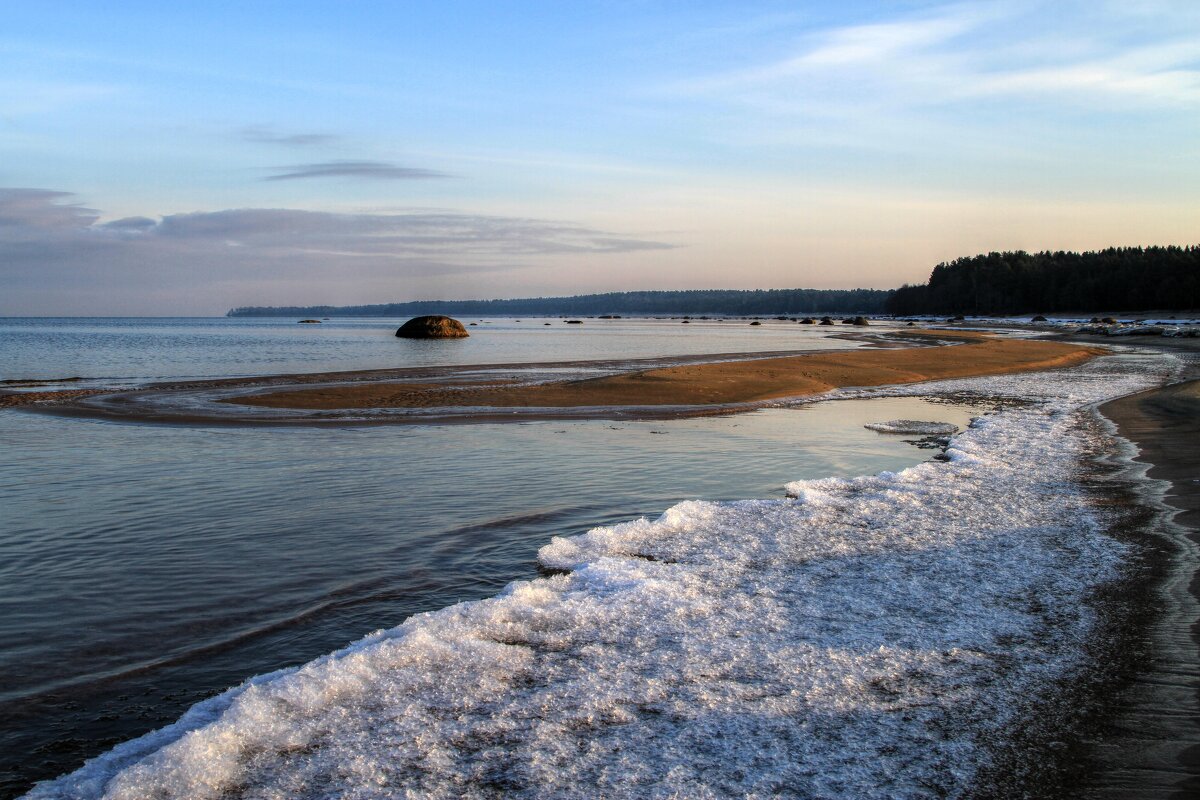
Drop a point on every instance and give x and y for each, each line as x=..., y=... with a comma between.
x=732, y=302
x=1116, y=279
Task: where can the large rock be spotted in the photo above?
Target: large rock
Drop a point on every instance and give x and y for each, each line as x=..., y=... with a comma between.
x=433, y=326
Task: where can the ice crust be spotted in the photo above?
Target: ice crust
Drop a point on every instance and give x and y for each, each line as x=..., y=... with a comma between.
x=912, y=426
x=870, y=638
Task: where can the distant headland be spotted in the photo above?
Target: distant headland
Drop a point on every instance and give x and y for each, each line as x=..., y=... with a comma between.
x=1015, y=282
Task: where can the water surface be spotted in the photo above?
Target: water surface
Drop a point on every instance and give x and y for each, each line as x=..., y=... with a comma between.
x=135, y=350
x=146, y=567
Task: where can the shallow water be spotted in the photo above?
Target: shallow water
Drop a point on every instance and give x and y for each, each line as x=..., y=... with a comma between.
x=146, y=567
x=130, y=351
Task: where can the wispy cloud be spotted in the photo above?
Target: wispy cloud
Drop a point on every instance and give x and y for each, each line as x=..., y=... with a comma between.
x=266, y=135
x=372, y=170
x=49, y=244
x=19, y=97
x=966, y=51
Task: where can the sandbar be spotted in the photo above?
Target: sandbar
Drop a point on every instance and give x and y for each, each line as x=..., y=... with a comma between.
x=703, y=384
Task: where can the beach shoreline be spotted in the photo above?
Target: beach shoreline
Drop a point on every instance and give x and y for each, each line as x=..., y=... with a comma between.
x=656, y=388
x=705, y=384
x=1160, y=401
x=1152, y=744
x=1016, y=465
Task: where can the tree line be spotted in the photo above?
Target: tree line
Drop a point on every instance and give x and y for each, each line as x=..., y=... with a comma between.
x=731, y=302
x=1118, y=278
x=1015, y=282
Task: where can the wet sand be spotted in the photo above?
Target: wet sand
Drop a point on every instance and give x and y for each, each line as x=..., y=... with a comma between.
x=721, y=383
x=1153, y=747
x=18, y=399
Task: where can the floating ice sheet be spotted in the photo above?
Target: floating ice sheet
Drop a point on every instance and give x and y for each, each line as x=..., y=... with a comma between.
x=913, y=426
x=871, y=638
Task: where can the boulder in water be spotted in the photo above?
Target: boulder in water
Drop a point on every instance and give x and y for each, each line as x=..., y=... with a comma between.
x=433, y=326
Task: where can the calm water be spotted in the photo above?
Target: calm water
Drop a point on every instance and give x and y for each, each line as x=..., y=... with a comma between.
x=112, y=350
x=145, y=567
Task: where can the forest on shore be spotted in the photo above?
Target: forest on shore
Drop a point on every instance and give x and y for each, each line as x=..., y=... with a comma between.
x=1016, y=282
x=1115, y=279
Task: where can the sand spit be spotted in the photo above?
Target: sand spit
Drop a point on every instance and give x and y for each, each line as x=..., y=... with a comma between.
x=705, y=384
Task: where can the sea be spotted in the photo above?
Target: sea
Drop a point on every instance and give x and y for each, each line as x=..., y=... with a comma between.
x=781, y=601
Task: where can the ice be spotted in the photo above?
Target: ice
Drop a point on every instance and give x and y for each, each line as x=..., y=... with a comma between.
x=872, y=637
x=913, y=426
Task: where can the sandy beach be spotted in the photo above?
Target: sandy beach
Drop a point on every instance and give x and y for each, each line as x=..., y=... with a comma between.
x=719, y=383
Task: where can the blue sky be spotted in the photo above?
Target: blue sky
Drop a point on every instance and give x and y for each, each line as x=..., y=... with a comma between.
x=161, y=159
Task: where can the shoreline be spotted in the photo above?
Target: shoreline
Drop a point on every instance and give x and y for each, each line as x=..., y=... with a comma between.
x=1164, y=453
x=1152, y=745
x=654, y=388
x=849, y=497
x=702, y=384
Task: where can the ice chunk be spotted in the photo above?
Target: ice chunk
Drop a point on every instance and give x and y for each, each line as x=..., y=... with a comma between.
x=913, y=426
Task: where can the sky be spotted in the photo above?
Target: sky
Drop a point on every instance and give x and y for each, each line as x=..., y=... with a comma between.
x=186, y=158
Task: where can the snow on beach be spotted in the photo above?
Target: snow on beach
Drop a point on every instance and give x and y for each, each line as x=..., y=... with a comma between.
x=872, y=637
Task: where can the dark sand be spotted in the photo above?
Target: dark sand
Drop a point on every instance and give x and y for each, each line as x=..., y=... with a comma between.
x=1153, y=749
x=18, y=399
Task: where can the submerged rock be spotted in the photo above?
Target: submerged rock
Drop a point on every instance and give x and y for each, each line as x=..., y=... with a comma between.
x=433, y=326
